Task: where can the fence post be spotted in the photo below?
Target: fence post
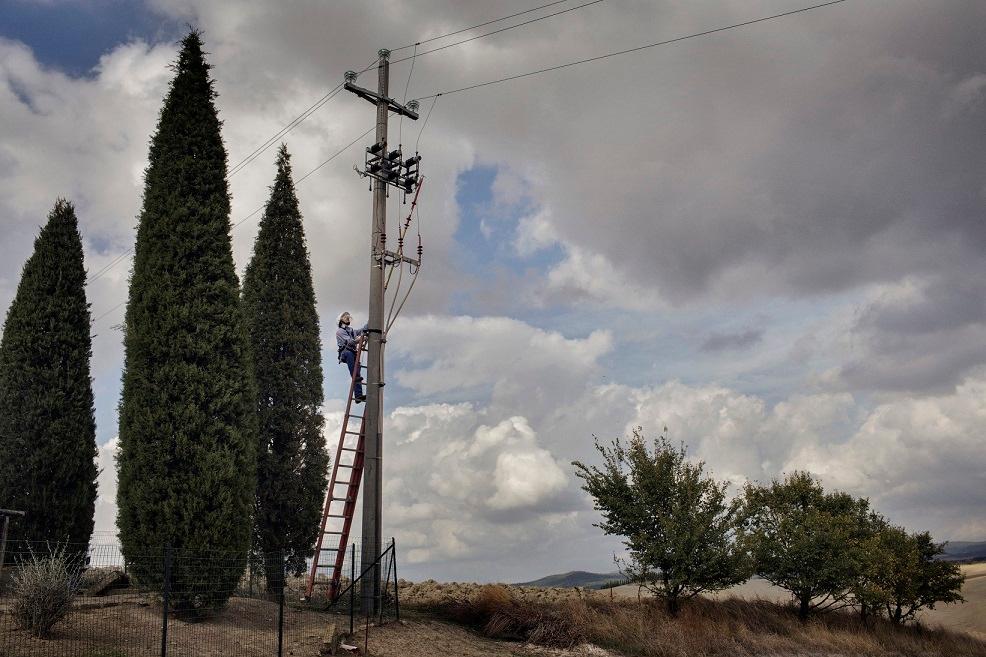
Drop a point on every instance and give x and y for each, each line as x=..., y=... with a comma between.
x=352, y=588
x=280, y=607
x=397, y=600
x=166, y=595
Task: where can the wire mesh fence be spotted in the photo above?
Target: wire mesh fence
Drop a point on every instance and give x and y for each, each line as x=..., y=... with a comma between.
x=97, y=601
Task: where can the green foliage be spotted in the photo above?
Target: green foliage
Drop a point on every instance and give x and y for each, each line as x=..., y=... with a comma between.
x=279, y=302
x=47, y=427
x=902, y=574
x=805, y=540
x=675, y=520
x=187, y=462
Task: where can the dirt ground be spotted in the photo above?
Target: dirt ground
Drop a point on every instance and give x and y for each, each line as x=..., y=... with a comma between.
x=423, y=637
x=130, y=626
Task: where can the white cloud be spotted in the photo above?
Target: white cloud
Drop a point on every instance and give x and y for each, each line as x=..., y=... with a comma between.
x=787, y=159
x=104, y=530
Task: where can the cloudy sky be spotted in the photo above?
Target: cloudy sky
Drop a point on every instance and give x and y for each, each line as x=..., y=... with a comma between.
x=768, y=240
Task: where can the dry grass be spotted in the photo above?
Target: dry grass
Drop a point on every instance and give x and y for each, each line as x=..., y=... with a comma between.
x=705, y=627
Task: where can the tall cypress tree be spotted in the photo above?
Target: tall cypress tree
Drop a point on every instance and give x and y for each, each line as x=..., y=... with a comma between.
x=187, y=463
x=47, y=427
x=283, y=326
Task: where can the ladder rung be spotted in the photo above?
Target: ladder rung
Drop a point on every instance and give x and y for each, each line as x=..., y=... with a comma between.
x=329, y=550
x=341, y=483
x=340, y=499
x=337, y=515
x=345, y=465
x=354, y=433
x=338, y=533
x=349, y=449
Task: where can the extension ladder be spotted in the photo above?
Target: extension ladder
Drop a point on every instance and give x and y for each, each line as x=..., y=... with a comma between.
x=341, y=508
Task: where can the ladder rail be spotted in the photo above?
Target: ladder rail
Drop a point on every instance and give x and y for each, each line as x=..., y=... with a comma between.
x=352, y=489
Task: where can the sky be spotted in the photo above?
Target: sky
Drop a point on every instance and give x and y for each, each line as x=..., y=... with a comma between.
x=767, y=240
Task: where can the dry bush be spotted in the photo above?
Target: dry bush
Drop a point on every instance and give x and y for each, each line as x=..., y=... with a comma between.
x=44, y=587
x=500, y=614
x=715, y=628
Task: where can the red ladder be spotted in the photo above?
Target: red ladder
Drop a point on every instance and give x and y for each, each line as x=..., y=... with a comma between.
x=348, y=501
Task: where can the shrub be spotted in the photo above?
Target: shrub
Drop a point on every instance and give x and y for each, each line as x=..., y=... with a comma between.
x=501, y=615
x=44, y=587
x=676, y=522
x=807, y=540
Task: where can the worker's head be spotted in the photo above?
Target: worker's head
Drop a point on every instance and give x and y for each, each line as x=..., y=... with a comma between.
x=344, y=319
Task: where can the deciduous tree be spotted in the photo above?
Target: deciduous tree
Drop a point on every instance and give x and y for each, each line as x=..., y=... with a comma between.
x=806, y=540
x=903, y=574
x=676, y=522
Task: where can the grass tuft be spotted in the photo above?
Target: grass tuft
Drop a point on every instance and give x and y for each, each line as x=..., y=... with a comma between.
x=714, y=628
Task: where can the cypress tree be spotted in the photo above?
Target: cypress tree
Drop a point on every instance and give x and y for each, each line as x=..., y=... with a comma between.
x=47, y=427
x=283, y=327
x=187, y=463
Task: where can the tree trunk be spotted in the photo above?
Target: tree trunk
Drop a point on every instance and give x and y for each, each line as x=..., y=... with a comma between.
x=273, y=572
x=805, y=607
x=673, y=604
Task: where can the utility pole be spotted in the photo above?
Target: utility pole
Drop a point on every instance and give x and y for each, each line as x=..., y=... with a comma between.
x=381, y=167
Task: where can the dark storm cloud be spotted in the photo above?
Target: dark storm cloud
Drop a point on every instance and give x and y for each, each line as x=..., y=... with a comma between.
x=728, y=341
x=921, y=338
x=800, y=167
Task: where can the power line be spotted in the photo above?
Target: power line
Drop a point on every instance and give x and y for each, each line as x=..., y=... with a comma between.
x=107, y=312
x=337, y=154
x=294, y=123
x=629, y=50
x=113, y=263
x=502, y=29
x=473, y=27
x=425, y=123
x=332, y=93
x=123, y=255
x=286, y=129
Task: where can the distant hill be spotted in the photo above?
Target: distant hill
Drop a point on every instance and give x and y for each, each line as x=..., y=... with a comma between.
x=954, y=551
x=965, y=551
x=573, y=579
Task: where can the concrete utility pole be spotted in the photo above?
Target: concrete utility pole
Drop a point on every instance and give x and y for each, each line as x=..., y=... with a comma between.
x=379, y=260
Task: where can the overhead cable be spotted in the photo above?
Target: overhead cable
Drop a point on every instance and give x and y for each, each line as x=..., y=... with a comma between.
x=473, y=27
x=332, y=93
x=502, y=29
x=630, y=50
x=123, y=255
x=294, y=123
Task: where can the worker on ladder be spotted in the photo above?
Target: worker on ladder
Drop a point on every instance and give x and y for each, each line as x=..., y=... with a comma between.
x=346, y=339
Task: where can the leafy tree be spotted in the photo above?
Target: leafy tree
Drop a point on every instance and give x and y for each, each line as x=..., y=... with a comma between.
x=47, y=427
x=279, y=301
x=187, y=462
x=676, y=522
x=806, y=540
x=903, y=575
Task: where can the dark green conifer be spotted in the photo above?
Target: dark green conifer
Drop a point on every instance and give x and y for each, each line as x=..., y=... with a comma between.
x=187, y=463
x=283, y=327
x=47, y=427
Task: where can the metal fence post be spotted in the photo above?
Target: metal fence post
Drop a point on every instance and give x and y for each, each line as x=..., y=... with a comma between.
x=166, y=595
x=352, y=588
x=397, y=600
x=280, y=608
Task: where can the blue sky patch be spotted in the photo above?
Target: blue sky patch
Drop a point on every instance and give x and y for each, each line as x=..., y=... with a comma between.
x=71, y=36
